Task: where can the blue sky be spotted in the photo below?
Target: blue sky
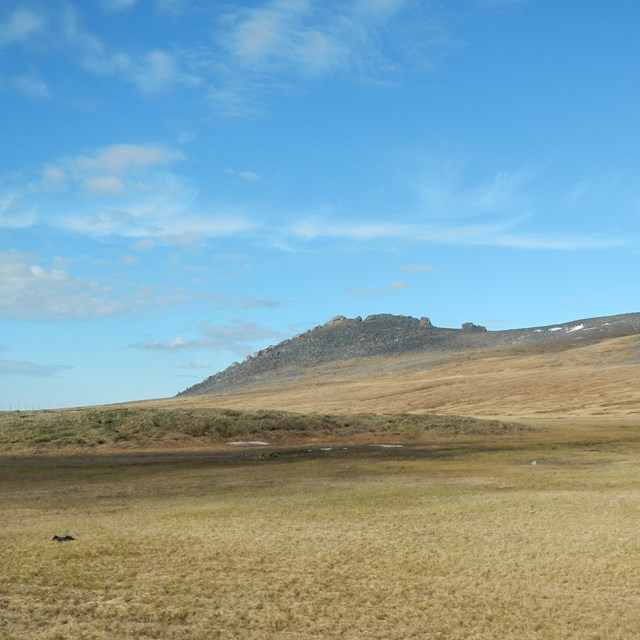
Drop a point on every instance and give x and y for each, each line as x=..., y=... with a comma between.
x=184, y=182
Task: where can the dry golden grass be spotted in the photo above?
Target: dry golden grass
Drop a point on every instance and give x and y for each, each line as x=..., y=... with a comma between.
x=435, y=542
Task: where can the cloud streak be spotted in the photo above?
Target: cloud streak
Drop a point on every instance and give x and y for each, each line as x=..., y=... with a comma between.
x=152, y=72
x=122, y=190
x=133, y=191
x=379, y=291
x=498, y=212
x=481, y=234
x=31, y=369
x=239, y=337
x=254, y=51
x=29, y=291
x=19, y=26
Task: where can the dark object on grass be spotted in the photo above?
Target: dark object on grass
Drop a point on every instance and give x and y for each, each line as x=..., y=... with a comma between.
x=62, y=538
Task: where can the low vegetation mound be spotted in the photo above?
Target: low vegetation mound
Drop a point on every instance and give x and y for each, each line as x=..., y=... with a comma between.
x=155, y=428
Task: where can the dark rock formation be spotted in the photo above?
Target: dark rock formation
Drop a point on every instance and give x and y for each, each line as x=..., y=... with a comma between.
x=469, y=327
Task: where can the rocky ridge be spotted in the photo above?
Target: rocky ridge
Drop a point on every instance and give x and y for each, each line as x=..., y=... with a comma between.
x=344, y=338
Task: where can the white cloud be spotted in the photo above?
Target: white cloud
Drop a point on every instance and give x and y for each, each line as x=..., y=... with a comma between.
x=152, y=72
x=114, y=6
x=286, y=34
x=15, y=213
x=20, y=25
x=450, y=210
x=31, y=369
x=444, y=194
x=122, y=190
x=197, y=364
x=245, y=176
x=238, y=337
x=30, y=292
x=104, y=184
x=54, y=178
x=186, y=137
x=307, y=38
x=482, y=234
x=32, y=86
x=417, y=268
x=118, y=158
x=499, y=4
x=377, y=291
x=255, y=50
x=173, y=7
x=144, y=245
x=155, y=72
x=272, y=45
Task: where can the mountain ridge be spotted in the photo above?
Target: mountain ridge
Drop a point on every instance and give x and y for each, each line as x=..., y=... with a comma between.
x=343, y=338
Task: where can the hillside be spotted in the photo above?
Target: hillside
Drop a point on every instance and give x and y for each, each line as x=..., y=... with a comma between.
x=388, y=363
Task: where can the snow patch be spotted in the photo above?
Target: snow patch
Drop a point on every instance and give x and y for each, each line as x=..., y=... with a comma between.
x=247, y=443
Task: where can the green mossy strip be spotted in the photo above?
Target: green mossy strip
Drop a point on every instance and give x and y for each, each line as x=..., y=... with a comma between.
x=138, y=427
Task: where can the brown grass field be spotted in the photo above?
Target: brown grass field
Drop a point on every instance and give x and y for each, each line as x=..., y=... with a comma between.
x=324, y=533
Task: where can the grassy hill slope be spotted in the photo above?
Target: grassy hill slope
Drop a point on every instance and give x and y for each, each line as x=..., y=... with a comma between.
x=564, y=378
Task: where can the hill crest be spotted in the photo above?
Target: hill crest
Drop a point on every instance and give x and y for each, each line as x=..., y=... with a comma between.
x=343, y=338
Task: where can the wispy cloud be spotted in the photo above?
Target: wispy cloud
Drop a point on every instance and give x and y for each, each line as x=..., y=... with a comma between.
x=276, y=43
x=494, y=234
x=377, y=291
x=286, y=35
x=417, y=268
x=115, y=6
x=32, y=86
x=122, y=190
x=450, y=209
x=196, y=364
x=253, y=51
x=152, y=72
x=23, y=368
x=245, y=176
x=20, y=25
x=171, y=7
x=499, y=4
x=29, y=291
x=239, y=337
x=444, y=192
x=308, y=39
x=119, y=158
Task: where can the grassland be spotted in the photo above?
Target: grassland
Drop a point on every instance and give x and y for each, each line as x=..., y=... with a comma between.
x=151, y=428
x=329, y=531
x=452, y=536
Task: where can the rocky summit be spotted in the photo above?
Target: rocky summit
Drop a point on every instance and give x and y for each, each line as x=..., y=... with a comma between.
x=344, y=338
